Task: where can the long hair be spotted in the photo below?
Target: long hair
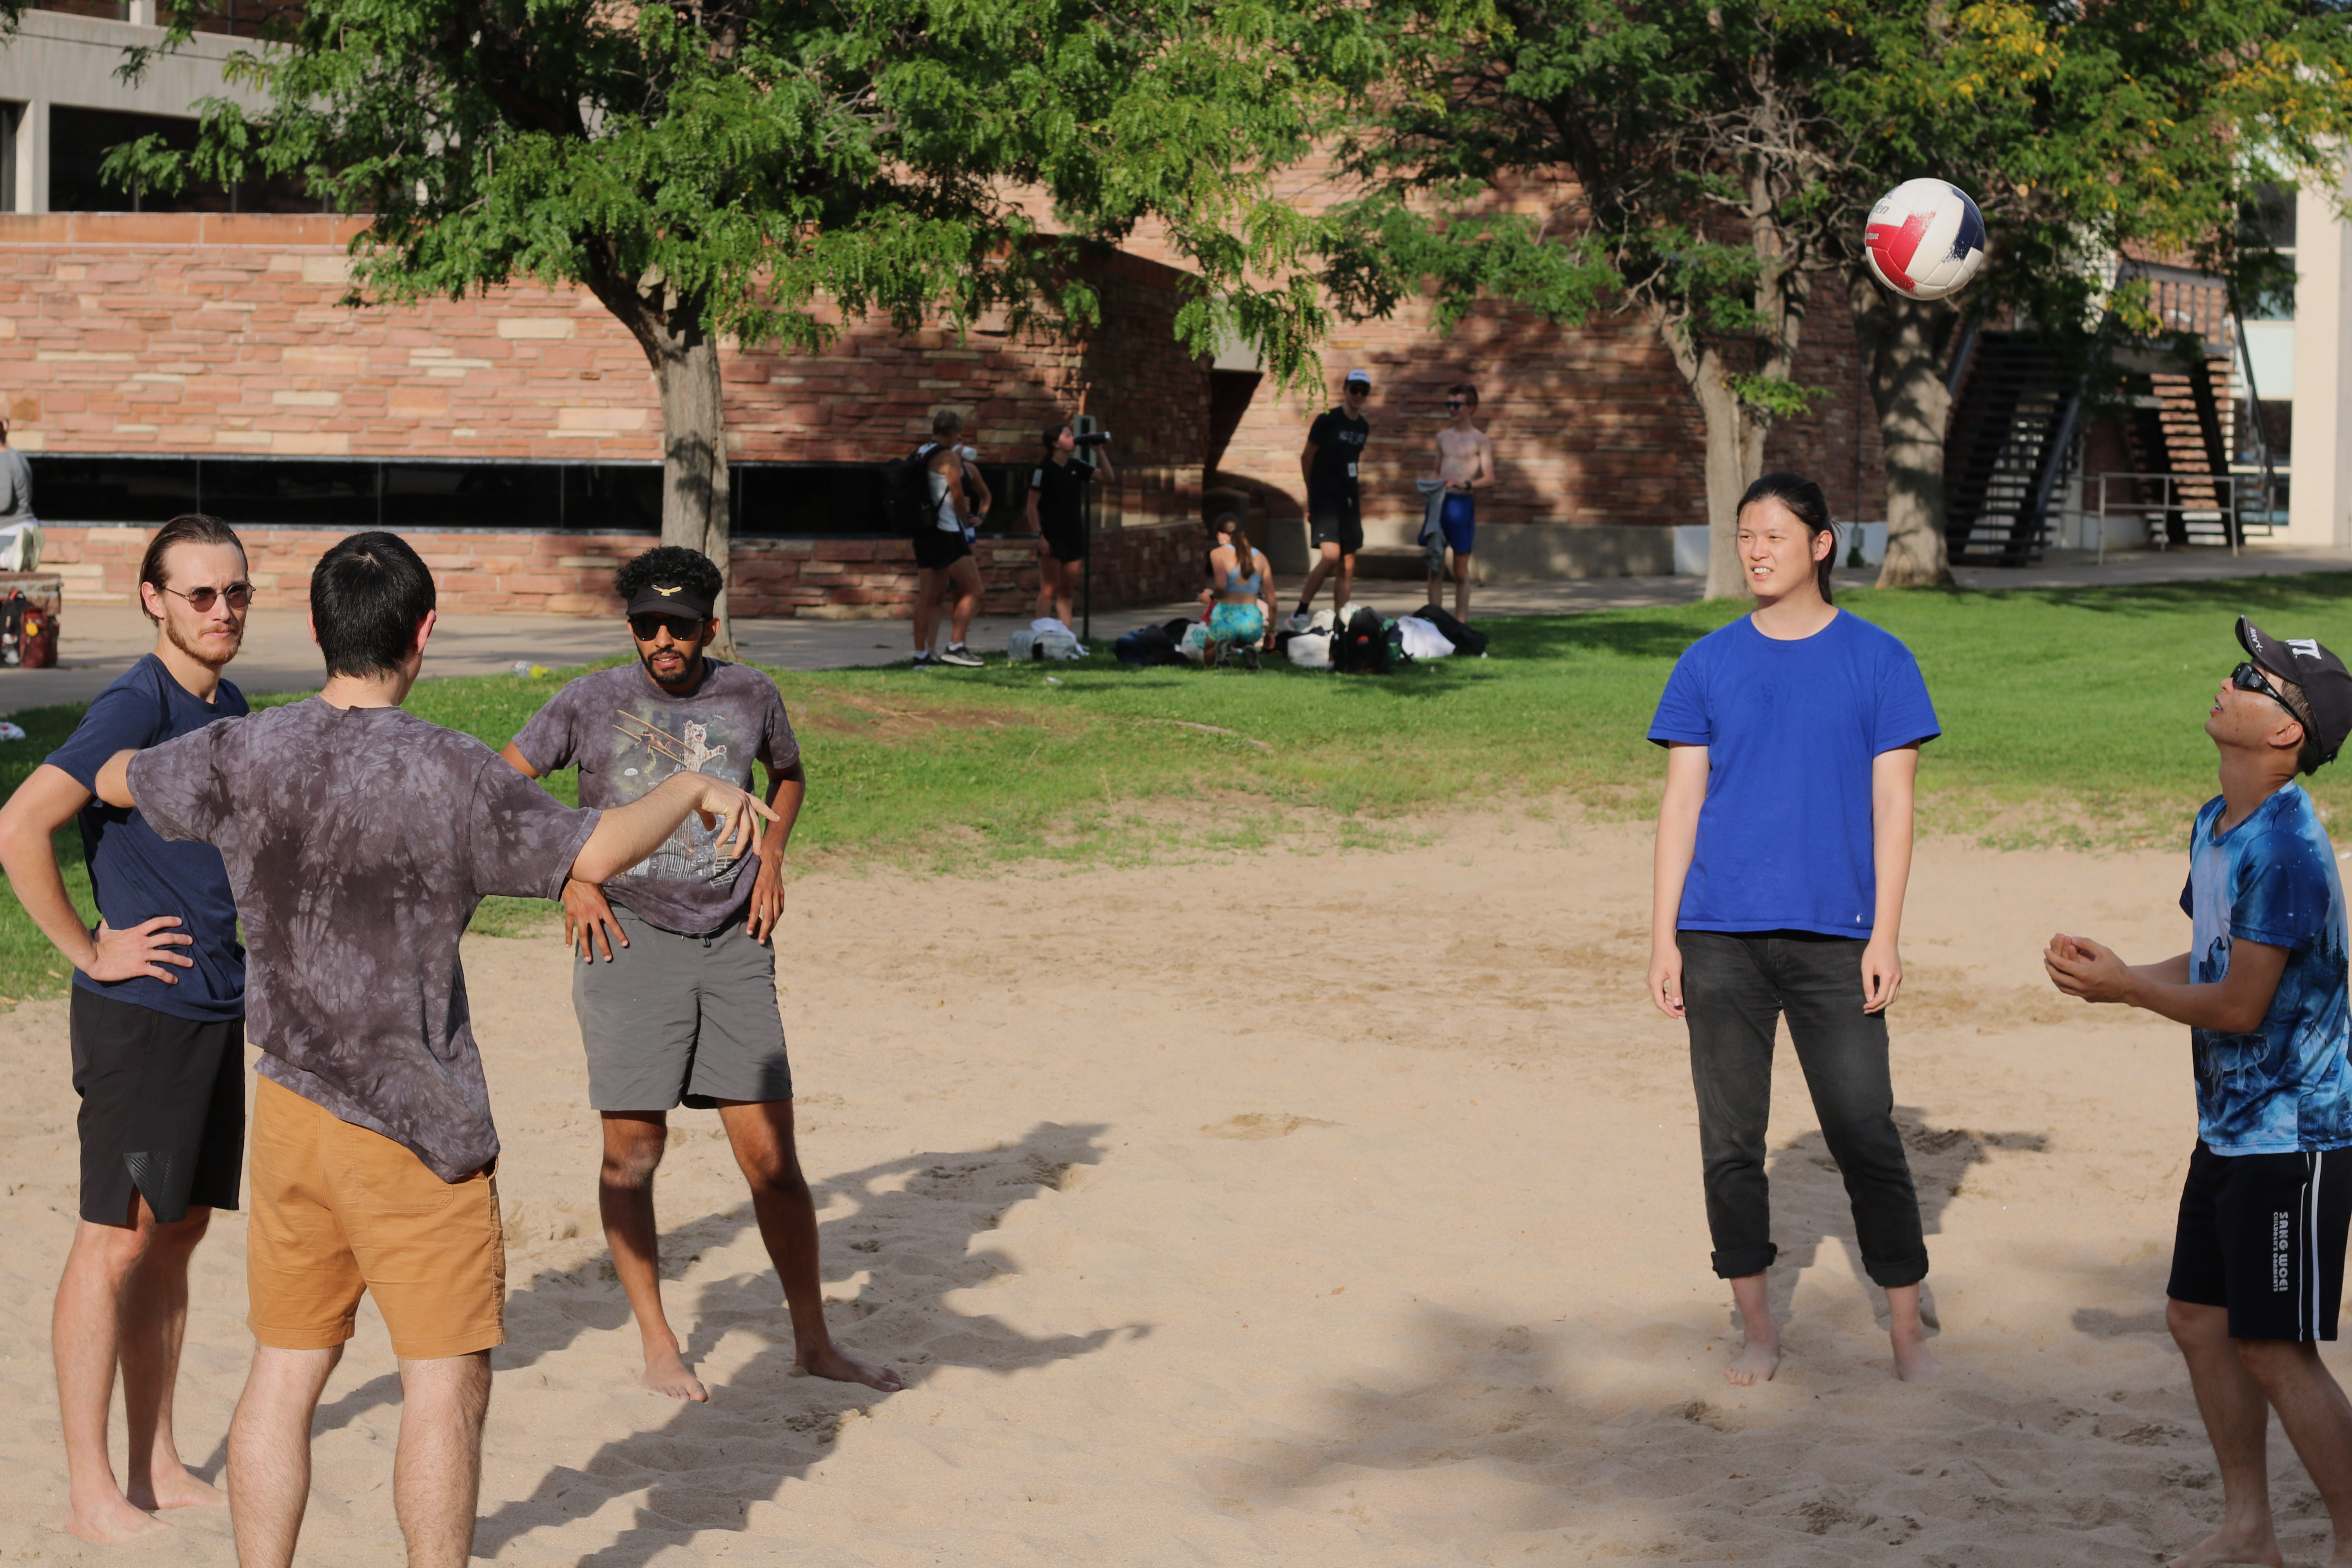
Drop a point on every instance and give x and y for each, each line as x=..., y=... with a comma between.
x=188, y=528
x=1231, y=522
x=1806, y=503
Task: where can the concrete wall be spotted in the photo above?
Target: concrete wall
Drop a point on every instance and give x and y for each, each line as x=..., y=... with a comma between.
x=55, y=58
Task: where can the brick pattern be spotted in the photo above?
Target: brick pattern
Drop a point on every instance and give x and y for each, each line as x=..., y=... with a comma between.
x=572, y=573
x=1591, y=425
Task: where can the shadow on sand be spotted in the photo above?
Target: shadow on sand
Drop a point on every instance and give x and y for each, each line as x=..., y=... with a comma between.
x=911, y=1222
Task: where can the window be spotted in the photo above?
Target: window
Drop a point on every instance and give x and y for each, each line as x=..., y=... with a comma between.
x=80, y=140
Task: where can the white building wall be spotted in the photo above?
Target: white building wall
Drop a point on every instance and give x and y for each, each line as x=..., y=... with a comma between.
x=55, y=58
x=2320, y=494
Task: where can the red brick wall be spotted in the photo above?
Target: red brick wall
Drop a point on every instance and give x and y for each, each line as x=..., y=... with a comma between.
x=215, y=334
x=1589, y=425
x=572, y=573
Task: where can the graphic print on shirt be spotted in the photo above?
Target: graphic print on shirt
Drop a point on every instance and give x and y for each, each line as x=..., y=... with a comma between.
x=2285, y=1086
x=645, y=752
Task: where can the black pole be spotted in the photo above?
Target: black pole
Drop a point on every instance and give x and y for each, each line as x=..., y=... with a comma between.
x=1087, y=620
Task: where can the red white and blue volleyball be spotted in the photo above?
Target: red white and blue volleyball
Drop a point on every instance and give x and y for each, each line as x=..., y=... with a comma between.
x=1925, y=239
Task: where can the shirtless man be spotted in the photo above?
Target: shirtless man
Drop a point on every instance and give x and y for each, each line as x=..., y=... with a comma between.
x=158, y=1035
x=1465, y=464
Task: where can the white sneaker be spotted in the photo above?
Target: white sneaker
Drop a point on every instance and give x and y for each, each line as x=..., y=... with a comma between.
x=1299, y=621
x=961, y=656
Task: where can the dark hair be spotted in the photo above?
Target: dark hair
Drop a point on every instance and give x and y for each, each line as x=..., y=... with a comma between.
x=188, y=528
x=946, y=422
x=1231, y=522
x=367, y=596
x=1464, y=389
x=1807, y=505
x=669, y=564
x=2307, y=758
x=1054, y=434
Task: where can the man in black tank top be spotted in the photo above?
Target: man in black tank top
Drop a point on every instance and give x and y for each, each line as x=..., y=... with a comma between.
x=1334, y=449
x=1057, y=488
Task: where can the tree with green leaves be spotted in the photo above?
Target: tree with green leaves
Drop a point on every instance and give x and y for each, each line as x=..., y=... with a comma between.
x=760, y=170
x=1712, y=166
x=2084, y=133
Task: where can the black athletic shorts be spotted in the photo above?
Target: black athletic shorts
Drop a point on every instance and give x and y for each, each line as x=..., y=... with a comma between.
x=1065, y=544
x=1336, y=521
x=936, y=549
x=163, y=1108
x=2262, y=1235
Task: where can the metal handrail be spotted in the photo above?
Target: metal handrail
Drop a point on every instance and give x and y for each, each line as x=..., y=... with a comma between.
x=2226, y=490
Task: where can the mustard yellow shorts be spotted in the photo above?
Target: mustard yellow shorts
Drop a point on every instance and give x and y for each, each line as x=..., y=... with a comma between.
x=338, y=1211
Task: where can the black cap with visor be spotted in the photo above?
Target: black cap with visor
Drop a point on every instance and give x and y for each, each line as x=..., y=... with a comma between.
x=2323, y=684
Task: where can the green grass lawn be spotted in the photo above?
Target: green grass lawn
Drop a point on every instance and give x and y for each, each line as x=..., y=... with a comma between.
x=2069, y=717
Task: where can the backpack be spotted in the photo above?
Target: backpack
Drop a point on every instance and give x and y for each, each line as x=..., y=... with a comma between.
x=1147, y=645
x=1464, y=639
x=907, y=504
x=28, y=636
x=1362, y=648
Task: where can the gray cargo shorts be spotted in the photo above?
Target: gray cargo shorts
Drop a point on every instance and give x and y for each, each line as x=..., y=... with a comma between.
x=681, y=1020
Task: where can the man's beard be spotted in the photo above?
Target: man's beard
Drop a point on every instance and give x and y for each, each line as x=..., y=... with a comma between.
x=201, y=655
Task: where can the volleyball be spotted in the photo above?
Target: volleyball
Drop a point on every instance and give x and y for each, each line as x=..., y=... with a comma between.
x=1925, y=239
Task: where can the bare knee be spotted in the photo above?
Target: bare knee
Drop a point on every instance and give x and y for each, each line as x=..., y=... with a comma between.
x=2274, y=1361
x=2195, y=1326
x=632, y=1156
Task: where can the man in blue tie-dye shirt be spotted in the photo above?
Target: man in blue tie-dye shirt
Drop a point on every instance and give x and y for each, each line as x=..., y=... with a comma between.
x=2258, y=1255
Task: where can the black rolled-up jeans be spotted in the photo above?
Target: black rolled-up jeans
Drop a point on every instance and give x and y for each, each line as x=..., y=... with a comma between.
x=1736, y=985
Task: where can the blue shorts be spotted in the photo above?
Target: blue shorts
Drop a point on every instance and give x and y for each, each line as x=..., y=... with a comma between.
x=1460, y=521
x=1236, y=623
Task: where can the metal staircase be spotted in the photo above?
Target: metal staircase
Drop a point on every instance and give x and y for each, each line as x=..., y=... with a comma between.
x=2014, y=414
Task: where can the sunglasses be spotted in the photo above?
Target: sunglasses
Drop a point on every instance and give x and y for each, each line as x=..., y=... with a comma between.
x=2248, y=676
x=1453, y=403
x=1355, y=387
x=649, y=625
x=238, y=595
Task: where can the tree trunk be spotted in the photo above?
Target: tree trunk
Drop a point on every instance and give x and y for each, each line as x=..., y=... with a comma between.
x=1734, y=457
x=1901, y=343
x=695, y=483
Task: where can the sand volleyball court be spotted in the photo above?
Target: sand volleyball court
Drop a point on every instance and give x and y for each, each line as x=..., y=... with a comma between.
x=1303, y=1209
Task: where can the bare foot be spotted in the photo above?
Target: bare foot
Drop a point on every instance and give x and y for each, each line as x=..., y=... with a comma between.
x=1757, y=1361
x=175, y=1487
x=109, y=1521
x=828, y=1361
x=665, y=1373
x=1913, y=1362
x=2227, y=1545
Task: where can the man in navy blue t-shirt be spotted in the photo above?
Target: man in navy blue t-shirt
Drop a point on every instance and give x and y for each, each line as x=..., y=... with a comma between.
x=158, y=1034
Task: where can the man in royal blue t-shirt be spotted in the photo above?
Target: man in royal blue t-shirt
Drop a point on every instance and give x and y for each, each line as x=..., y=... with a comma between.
x=2258, y=1250
x=158, y=1034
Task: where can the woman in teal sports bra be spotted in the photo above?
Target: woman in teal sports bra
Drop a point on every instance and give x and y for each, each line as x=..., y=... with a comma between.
x=1244, y=585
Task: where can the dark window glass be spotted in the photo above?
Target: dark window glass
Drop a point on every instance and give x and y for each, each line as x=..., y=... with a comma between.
x=80, y=140
x=114, y=489
x=2270, y=215
x=104, y=10
x=471, y=495
x=322, y=492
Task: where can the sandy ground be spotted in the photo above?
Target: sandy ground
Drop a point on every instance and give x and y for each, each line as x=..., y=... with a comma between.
x=1333, y=1209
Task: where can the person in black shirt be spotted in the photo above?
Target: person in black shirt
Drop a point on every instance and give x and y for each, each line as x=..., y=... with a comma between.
x=1057, y=516
x=1335, y=445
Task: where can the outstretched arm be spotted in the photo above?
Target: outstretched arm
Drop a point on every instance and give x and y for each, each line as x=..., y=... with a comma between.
x=625, y=834
x=44, y=803
x=2234, y=1005
x=588, y=918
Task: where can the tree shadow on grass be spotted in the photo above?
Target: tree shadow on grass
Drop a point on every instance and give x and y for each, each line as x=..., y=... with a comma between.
x=912, y=1224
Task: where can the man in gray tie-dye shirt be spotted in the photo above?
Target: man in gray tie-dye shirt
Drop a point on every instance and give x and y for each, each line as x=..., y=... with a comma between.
x=358, y=840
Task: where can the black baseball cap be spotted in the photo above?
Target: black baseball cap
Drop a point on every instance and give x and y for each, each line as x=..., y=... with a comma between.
x=2325, y=683
x=678, y=599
